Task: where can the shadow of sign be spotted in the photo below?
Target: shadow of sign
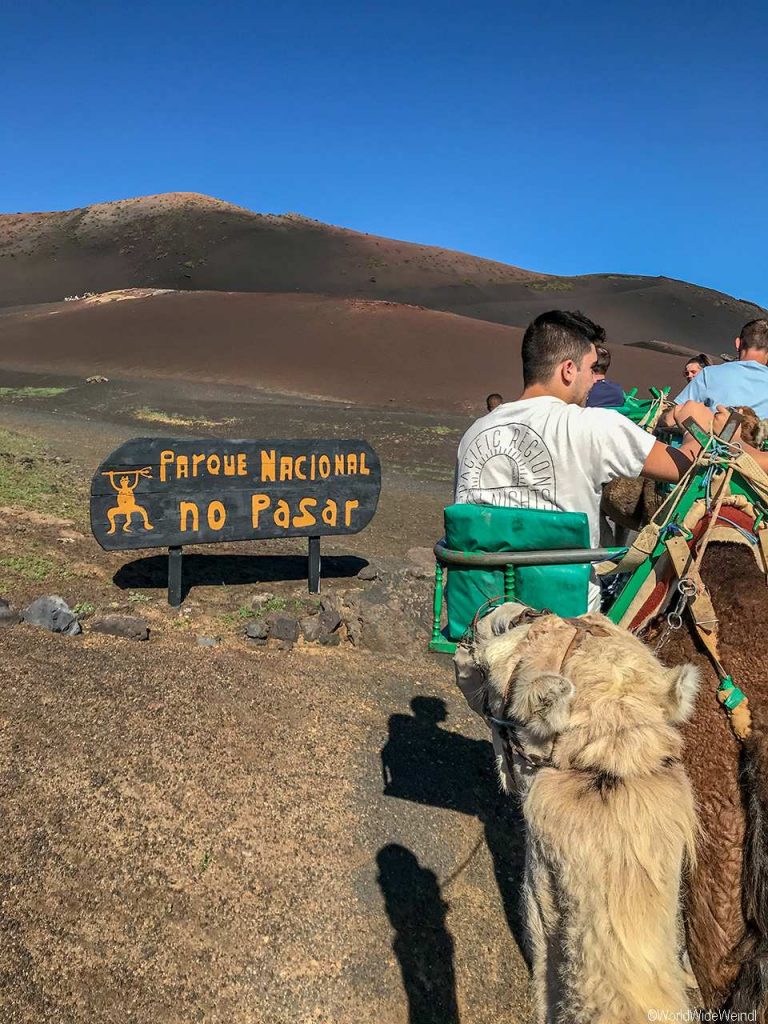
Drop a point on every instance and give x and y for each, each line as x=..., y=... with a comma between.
x=203, y=570
x=426, y=764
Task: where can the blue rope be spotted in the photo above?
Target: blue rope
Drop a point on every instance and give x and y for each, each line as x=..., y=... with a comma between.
x=745, y=533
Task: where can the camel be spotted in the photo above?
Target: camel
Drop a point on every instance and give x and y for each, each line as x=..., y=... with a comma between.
x=726, y=906
x=587, y=731
x=631, y=503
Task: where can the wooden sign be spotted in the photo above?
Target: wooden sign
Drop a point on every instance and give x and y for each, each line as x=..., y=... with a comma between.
x=168, y=492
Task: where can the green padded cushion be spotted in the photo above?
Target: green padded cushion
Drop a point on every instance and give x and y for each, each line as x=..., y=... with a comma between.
x=561, y=588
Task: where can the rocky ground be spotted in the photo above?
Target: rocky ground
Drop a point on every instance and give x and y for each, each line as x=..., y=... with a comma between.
x=262, y=807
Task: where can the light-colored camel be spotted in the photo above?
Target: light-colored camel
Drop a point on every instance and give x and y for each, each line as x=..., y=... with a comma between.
x=595, y=752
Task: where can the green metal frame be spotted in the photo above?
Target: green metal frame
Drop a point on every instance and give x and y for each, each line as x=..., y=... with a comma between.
x=508, y=560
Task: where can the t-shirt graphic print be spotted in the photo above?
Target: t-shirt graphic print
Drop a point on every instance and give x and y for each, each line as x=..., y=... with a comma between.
x=509, y=466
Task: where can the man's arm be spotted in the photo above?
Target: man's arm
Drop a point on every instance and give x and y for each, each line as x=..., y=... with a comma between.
x=692, y=396
x=668, y=464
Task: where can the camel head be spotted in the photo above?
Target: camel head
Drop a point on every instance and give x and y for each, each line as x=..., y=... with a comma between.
x=593, y=699
x=753, y=430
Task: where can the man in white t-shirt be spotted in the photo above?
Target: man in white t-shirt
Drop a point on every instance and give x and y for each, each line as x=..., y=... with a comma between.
x=545, y=451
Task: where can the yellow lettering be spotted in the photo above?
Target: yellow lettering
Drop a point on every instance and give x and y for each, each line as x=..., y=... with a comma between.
x=229, y=465
x=286, y=467
x=258, y=503
x=306, y=518
x=187, y=509
x=282, y=514
x=312, y=461
x=338, y=465
x=324, y=465
x=217, y=515
x=182, y=466
x=242, y=466
x=352, y=464
x=165, y=457
x=196, y=460
x=349, y=506
x=330, y=512
x=364, y=470
x=268, y=466
x=214, y=465
x=300, y=473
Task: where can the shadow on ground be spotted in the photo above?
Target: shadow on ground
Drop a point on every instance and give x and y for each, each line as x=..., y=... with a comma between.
x=423, y=945
x=199, y=570
x=426, y=764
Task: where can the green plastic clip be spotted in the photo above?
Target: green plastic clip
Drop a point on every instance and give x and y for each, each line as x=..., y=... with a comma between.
x=735, y=697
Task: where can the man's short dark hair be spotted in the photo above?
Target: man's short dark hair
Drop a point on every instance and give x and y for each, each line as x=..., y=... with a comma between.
x=603, y=360
x=755, y=335
x=554, y=337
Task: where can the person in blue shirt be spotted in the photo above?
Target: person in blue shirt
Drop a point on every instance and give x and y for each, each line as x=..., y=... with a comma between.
x=744, y=382
x=695, y=365
x=604, y=394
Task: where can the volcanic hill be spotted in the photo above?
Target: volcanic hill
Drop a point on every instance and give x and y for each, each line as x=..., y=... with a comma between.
x=284, y=301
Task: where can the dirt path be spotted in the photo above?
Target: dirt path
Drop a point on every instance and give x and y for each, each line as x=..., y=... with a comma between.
x=236, y=834
x=204, y=835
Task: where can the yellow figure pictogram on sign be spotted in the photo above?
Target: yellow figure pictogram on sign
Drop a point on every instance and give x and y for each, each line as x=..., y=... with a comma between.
x=126, y=501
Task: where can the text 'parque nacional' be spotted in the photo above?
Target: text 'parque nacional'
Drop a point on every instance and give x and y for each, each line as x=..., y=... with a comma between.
x=166, y=492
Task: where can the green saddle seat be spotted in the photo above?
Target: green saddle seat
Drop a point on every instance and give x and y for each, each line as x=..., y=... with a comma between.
x=562, y=589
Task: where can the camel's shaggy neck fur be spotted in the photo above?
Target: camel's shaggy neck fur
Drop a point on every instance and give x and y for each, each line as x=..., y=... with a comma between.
x=610, y=825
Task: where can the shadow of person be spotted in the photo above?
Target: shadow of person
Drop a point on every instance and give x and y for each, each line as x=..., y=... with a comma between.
x=426, y=764
x=422, y=943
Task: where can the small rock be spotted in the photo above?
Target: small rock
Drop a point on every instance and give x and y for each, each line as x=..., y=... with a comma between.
x=54, y=614
x=329, y=639
x=330, y=618
x=130, y=627
x=8, y=617
x=368, y=572
x=422, y=563
x=208, y=641
x=259, y=641
x=283, y=627
x=285, y=645
x=311, y=628
x=69, y=537
x=257, y=629
x=98, y=379
x=259, y=600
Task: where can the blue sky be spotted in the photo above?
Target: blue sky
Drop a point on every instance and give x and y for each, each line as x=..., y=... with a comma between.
x=569, y=137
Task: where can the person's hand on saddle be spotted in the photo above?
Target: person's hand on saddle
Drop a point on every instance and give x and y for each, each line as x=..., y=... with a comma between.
x=710, y=422
x=697, y=411
x=669, y=464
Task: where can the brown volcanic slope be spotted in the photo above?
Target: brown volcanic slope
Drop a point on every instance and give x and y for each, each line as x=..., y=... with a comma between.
x=191, y=242
x=363, y=351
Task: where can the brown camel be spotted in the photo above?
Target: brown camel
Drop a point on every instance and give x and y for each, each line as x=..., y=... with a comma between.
x=632, y=503
x=727, y=898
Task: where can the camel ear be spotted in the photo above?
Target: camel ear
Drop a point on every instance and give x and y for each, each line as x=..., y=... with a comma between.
x=543, y=703
x=683, y=690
